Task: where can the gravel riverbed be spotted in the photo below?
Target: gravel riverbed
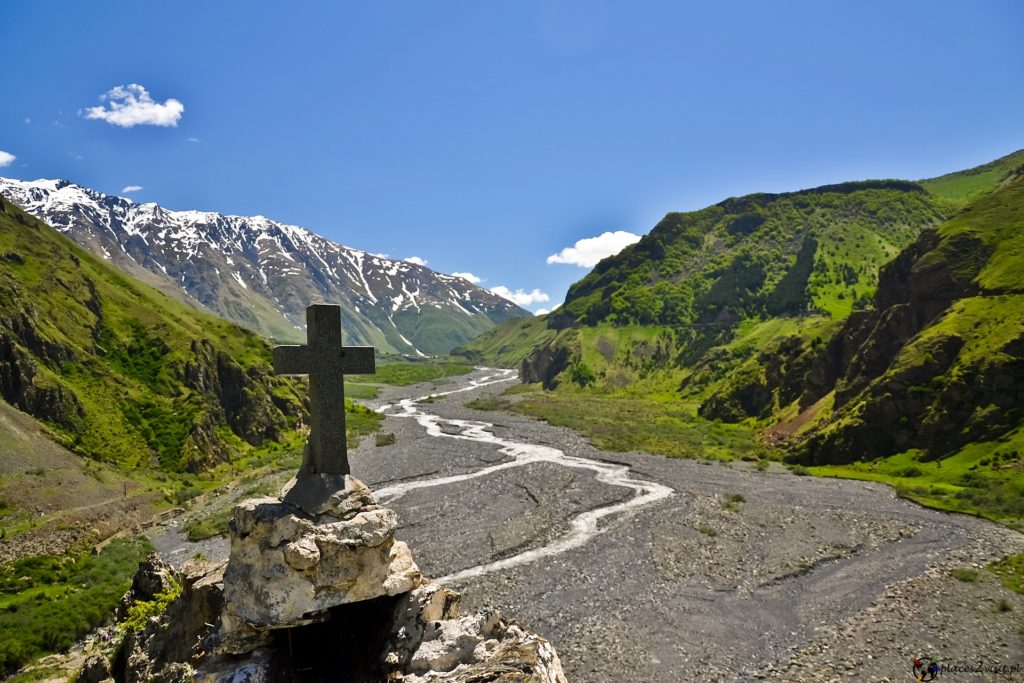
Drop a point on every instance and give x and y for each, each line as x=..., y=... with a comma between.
x=735, y=574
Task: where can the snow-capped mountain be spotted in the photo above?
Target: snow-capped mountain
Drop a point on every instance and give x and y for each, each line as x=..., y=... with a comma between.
x=262, y=274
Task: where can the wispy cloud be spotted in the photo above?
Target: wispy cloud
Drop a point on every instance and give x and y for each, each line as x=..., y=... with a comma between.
x=588, y=251
x=6, y=158
x=192, y=139
x=131, y=105
x=469, y=276
x=416, y=259
x=520, y=297
x=28, y=121
x=131, y=188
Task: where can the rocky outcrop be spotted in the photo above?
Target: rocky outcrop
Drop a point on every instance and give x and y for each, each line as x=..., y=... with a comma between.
x=429, y=641
x=331, y=597
x=22, y=386
x=242, y=397
x=899, y=376
x=546, y=362
x=167, y=646
x=759, y=389
x=288, y=567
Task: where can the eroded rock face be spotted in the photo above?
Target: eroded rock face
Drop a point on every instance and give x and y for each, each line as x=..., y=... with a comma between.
x=169, y=645
x=288, y=567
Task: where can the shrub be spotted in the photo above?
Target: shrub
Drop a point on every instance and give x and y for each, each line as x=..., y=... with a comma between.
x=965, y=574
x=50, y=602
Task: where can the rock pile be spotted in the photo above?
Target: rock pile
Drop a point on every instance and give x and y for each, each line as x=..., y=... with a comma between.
x=328, y=595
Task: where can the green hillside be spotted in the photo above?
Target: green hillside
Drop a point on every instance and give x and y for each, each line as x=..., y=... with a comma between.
x=506, y=344
x=761, y=255
x=852, y=327
x=961, y=187
x=122, y=374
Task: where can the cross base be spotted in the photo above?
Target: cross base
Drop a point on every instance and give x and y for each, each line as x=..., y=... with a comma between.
x=316, y=493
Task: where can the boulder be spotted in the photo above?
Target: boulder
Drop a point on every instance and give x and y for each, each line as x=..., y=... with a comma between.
x=287, y=567
x=430, y=642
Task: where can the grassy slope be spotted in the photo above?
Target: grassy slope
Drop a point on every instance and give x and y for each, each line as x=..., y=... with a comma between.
x=961, y=187
x=123, y=344
x=46, y=603
x=508, y=343
x=760, y=254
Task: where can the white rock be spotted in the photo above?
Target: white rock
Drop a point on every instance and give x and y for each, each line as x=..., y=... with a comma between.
x=287, y=568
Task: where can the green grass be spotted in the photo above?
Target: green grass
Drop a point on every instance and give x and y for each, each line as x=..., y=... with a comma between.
x=46, y=602
x=995, y=221
x=985, y=479
x=404, y=374
x=506, y=345
x=1010, y=571
x=733, y=502
x=756, y=255
x=140, y=611
x=632, y=424
x=963, y=186
x=215, y=524
x=965, y=574
x=362, y=392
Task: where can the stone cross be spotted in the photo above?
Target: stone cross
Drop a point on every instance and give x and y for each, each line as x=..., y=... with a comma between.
x=326, y=362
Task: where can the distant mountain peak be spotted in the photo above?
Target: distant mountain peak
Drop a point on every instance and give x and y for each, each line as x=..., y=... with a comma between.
x=262, y=273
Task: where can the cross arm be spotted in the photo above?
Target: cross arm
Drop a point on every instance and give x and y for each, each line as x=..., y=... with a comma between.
x=292, y=360
x=358, y=360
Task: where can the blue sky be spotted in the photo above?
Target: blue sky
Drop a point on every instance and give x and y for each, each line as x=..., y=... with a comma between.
x=485, y=137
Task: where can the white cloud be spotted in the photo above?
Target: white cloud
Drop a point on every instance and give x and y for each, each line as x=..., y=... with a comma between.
x=192, y=139
x=544, y=311
x=470, y=277
x=6, y=158
x=28, y=121
x=588, y=251
x=519, y=297
x=131, y=188
x=131, y=105
x=416, y=259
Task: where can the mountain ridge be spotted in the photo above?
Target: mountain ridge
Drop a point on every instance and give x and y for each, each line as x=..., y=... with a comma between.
x=262, y=273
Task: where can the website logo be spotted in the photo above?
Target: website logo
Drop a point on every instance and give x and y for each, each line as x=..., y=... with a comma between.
x=926, y=668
